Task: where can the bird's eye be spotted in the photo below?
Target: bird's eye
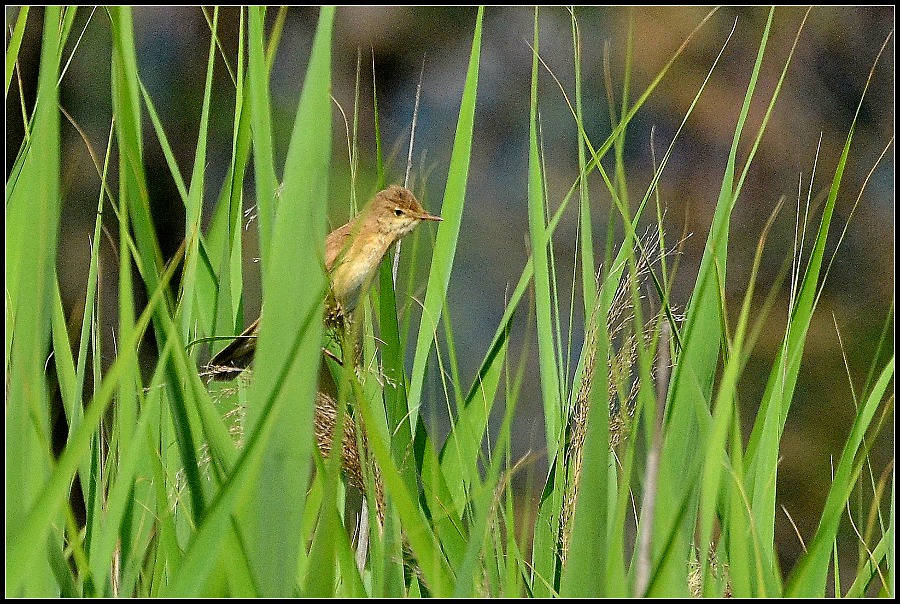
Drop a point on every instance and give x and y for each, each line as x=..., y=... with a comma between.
x=398, y=212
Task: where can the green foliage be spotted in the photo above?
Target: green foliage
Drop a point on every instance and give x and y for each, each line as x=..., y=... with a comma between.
x=198, y=490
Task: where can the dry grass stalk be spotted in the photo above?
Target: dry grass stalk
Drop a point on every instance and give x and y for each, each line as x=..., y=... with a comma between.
x=355, y=459
x=620, y=365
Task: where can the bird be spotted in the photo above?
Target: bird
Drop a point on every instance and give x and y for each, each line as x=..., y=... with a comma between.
x=352, y=254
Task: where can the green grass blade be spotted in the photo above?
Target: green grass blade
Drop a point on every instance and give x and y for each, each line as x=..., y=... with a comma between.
x=550, y=387
x=469, y=576
x=544, y=553
x=584, y=574
x=62, y=355
x=133, y=193
x=261, y=126
x=53, y=495
x=392, y=358
x=715, y=459
x=762, y=449
x=121, y=494
x=459, y=455
x=199, y=563
x=203, y=280
x=691, y=387
x=448, y=231
x=224, y=234
x=869, y=571
x=588, y=270
x=319, y=578
x=394, y=392
x=287, y=356
x=199, y=490
x=189, y=578
x=15, y=42
x=168, y=154
x=32, y=214
x=143, y=248
x=474, y=414
x=426, y=548
x=194, y=204
x=458, y=461
x=92, y=280
x=810, y=575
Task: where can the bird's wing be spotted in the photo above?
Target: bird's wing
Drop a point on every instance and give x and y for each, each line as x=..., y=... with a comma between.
x=335, y=245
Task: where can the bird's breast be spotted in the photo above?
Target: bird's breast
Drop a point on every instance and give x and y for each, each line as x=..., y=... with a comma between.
x=354, y=270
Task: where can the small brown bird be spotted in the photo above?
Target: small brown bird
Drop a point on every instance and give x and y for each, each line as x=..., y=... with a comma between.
x=352, y=253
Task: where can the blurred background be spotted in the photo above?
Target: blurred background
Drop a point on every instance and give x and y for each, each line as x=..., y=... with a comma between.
x=807, y=130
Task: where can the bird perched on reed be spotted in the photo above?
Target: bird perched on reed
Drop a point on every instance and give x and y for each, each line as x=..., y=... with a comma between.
x=352, y=254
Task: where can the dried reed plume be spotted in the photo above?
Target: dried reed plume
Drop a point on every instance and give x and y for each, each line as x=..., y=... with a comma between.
x=620, y=365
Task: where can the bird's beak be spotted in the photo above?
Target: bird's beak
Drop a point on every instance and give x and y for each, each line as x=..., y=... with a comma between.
x=427, y=216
